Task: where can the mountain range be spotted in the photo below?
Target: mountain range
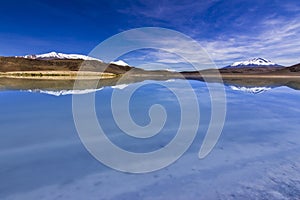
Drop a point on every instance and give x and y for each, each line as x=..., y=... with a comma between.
x=72, y=62
x=49, y=62
x=251, y=63
x=255, y=75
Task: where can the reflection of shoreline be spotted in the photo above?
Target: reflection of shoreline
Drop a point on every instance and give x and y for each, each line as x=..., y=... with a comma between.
x=147, y=75
x=56, y=75
x=87, y=80
x=259, y=76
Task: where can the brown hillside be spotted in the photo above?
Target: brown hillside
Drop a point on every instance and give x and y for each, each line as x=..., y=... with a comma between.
x=10, y=64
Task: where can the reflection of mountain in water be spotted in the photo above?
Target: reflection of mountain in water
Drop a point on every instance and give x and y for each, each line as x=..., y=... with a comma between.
x=64, y=92
x=74, y=92
x=254, y=76
x=242, y=81
x=66, y=87
x=253, y=90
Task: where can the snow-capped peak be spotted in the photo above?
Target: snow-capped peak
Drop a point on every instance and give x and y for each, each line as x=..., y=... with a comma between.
x=55, y=55
x=120, y=63
x=254, y=62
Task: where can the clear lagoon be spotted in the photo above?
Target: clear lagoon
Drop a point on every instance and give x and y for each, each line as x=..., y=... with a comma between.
x=256, y=157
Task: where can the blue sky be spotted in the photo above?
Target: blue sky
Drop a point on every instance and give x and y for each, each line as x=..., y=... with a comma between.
x=229, y=30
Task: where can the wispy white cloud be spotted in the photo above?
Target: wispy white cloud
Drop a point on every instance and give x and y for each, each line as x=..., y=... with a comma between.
x=278, y=40
x=292, y=7
x=228, y=33
x=165, y=10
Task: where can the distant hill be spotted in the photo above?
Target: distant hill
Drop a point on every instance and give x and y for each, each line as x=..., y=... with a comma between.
x=294, y=68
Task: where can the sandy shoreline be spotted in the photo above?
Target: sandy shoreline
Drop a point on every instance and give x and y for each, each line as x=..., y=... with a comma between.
x=256, y=76
x=57, y=75
x=89, y=75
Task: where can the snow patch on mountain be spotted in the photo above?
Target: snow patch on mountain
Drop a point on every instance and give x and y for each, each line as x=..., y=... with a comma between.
x=55, y=55
x=170, y=70
x=120, y=87
x=120, y=63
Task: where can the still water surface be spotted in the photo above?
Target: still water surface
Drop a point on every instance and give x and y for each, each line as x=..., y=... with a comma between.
x=257, y=155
